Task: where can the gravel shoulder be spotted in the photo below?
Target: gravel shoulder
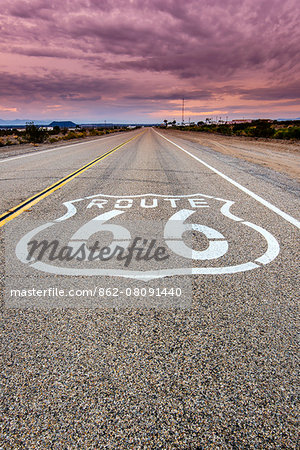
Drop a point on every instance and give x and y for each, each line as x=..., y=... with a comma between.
x=22, y=149
x=281, y=156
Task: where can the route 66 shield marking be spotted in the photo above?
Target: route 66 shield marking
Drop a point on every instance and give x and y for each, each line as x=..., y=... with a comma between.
x=211, y=259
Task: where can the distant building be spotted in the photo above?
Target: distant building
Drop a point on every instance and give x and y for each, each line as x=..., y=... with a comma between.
x=237, y=121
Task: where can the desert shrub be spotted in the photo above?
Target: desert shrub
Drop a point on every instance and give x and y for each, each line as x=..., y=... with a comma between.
x=94, y=132
x=56, y=129
x=203, y=128
x=34, y=133
x=224, y=129
x=288, y=133
x=263, y=128
x=9, y=142
x=239, y=127
x=294, y=132
x=6, y=132
x=70, y=135
x=280, y=134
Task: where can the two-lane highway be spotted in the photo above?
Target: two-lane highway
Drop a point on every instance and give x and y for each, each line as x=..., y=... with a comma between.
x=193, y=347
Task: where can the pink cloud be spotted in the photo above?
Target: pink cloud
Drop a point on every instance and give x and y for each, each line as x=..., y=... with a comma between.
x=142, y=54
x=6, y=109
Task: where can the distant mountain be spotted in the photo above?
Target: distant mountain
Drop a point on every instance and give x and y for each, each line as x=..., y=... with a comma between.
x=284, y=120
x=63, y=124
x=22, y=122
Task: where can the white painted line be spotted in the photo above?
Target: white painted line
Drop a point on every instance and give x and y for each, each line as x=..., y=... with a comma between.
x=273, y=246
x=264, y=202
x=62, y=147
x=71, y=211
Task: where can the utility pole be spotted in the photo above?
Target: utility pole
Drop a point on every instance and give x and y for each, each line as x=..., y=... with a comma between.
x=182, y=121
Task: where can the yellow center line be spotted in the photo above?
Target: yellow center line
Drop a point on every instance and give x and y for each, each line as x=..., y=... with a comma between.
x=31, y=201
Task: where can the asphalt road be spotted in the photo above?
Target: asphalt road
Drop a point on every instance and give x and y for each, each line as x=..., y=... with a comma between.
x=195, y=350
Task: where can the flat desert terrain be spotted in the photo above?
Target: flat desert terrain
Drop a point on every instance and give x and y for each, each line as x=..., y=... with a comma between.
x=279, y=155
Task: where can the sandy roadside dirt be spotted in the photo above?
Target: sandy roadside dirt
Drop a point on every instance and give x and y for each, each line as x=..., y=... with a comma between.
x=281, y=156
x=20, y=149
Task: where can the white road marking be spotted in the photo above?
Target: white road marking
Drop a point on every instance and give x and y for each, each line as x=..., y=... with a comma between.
x=71, y=210
x=226, y=211
x=62, y=147
x=173, y=232
x=273, y=246
x=264, y=202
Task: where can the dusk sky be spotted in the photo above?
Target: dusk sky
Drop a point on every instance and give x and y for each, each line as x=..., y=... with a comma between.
x=134, y=60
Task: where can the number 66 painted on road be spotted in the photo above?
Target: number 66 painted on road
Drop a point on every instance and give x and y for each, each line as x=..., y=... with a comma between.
x=173, y=234
x=174, y=229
